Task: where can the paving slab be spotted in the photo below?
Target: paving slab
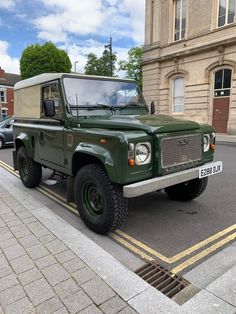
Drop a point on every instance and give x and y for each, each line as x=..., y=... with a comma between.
x=98, y=291
x=22, y=306
x=224, y=287
x=77, y=302
x=11, y=295
x=207, y=303
x=152, y=301
x=39, y=291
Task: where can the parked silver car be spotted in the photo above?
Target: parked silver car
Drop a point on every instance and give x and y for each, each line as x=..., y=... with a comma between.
x=6, y=132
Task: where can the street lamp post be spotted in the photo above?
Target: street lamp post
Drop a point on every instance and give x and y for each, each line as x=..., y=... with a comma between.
x=109, y=47
x=75, y=65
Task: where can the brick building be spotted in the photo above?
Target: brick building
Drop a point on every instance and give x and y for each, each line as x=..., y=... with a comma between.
x=7, y=82
x=189, y=61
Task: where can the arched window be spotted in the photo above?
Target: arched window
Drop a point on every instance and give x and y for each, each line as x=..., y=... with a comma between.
x=222, y=83
x=178, y=95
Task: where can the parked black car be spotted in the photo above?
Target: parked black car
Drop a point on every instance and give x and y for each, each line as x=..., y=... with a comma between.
x=6, y=132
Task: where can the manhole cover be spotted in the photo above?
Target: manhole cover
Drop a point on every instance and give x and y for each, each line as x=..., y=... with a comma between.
x=161, y=278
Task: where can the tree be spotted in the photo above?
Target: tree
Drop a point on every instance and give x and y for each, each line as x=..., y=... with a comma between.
x=133, y=67
x=100, y=66
x=47, y=58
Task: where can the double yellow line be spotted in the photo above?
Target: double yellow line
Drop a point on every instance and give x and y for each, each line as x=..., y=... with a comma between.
x=145, y=252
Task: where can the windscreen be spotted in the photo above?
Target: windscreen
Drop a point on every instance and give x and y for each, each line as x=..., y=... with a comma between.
x=91, y=96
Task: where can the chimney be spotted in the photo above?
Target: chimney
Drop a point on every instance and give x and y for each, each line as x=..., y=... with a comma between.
x=2, y=73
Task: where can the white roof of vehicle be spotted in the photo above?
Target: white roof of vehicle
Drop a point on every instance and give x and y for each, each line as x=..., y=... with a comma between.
x=47, y=77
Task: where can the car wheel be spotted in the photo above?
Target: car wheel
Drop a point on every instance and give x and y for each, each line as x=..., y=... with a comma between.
x=29, y=170
x=188, y=190
x=99, y=201
x=1, y=143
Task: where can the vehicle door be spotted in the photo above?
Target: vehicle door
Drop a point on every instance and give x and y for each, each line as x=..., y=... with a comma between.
x=50, y=131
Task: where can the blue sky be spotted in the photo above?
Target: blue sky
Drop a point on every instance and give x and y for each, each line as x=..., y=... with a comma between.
x=78, y=26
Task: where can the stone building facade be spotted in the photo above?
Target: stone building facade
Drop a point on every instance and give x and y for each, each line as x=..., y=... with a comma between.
x=7, y=82
x=189, y=60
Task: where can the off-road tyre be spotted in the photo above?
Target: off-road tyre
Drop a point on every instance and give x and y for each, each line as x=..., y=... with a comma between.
x=1, y=143
x=100, y=202
x=188, y=190
x=29, y=170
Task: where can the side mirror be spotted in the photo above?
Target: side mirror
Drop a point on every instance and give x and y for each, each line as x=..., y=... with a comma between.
x=153, y=109
x=49, y=108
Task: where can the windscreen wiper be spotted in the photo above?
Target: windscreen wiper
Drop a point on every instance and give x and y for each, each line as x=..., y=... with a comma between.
x=99, y=106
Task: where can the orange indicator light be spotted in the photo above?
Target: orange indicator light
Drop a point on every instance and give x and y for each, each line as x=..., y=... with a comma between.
x=131, y=162
x=212, y=146
x=103, y=141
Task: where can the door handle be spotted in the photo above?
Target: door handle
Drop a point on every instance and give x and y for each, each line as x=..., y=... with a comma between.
x=41, y=136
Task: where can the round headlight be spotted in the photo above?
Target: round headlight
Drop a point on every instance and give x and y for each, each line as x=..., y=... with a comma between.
x=143, y=153
x=206, y=142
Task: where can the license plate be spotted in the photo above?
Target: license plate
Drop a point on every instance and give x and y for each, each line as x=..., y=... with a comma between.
x=209, y=170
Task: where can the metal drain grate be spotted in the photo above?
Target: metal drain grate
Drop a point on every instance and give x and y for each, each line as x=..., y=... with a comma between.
x=162, y=279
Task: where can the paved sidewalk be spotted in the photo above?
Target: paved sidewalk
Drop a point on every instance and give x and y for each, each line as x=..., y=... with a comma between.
x=39, y=273
x=48, y=266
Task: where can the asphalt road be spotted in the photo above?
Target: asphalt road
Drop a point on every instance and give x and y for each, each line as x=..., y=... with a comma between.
x=170, y=227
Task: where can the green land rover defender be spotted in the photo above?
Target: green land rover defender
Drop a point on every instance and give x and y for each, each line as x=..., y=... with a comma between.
x=98, y=133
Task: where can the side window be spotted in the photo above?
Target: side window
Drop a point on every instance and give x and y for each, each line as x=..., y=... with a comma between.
x=226, y=12
x=178, y=95
x=179, y=19
x=52, y=92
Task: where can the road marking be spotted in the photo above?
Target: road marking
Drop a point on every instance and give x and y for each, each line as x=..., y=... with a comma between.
x=142, y=246
x=182, y=254
x=120, y=236
x=204, y=253
x=199, y=245
x=131, y=247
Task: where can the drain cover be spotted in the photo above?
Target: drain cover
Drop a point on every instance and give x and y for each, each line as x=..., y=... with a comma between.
x=161, y=279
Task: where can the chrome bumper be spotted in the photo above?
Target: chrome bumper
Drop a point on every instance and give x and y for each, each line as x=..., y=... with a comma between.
x=147, y=186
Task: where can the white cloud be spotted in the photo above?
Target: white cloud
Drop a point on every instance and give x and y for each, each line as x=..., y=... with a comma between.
x=136, y=11
x=63, y=18
x=7, y=4
x=8, y=63
x=69, y=17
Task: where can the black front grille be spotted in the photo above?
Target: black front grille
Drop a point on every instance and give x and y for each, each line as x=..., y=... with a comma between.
x=180, y=150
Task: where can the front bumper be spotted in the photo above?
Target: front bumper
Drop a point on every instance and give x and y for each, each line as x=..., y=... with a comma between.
x=147, y=186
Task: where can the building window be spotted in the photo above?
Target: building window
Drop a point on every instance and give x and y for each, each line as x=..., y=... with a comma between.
x=3, y=96
x=222, y=83
x=180, y=19
x=178, y=95
x=226, y=12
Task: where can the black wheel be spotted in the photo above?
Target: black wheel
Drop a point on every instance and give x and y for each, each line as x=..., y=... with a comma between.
x=1, y=143
x=188, y=190
x=99, y=201
x=29, y=170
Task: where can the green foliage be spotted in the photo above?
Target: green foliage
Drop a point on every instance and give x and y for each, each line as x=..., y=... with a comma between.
x=133, y=67
x=47, y=58
x=100, y=66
